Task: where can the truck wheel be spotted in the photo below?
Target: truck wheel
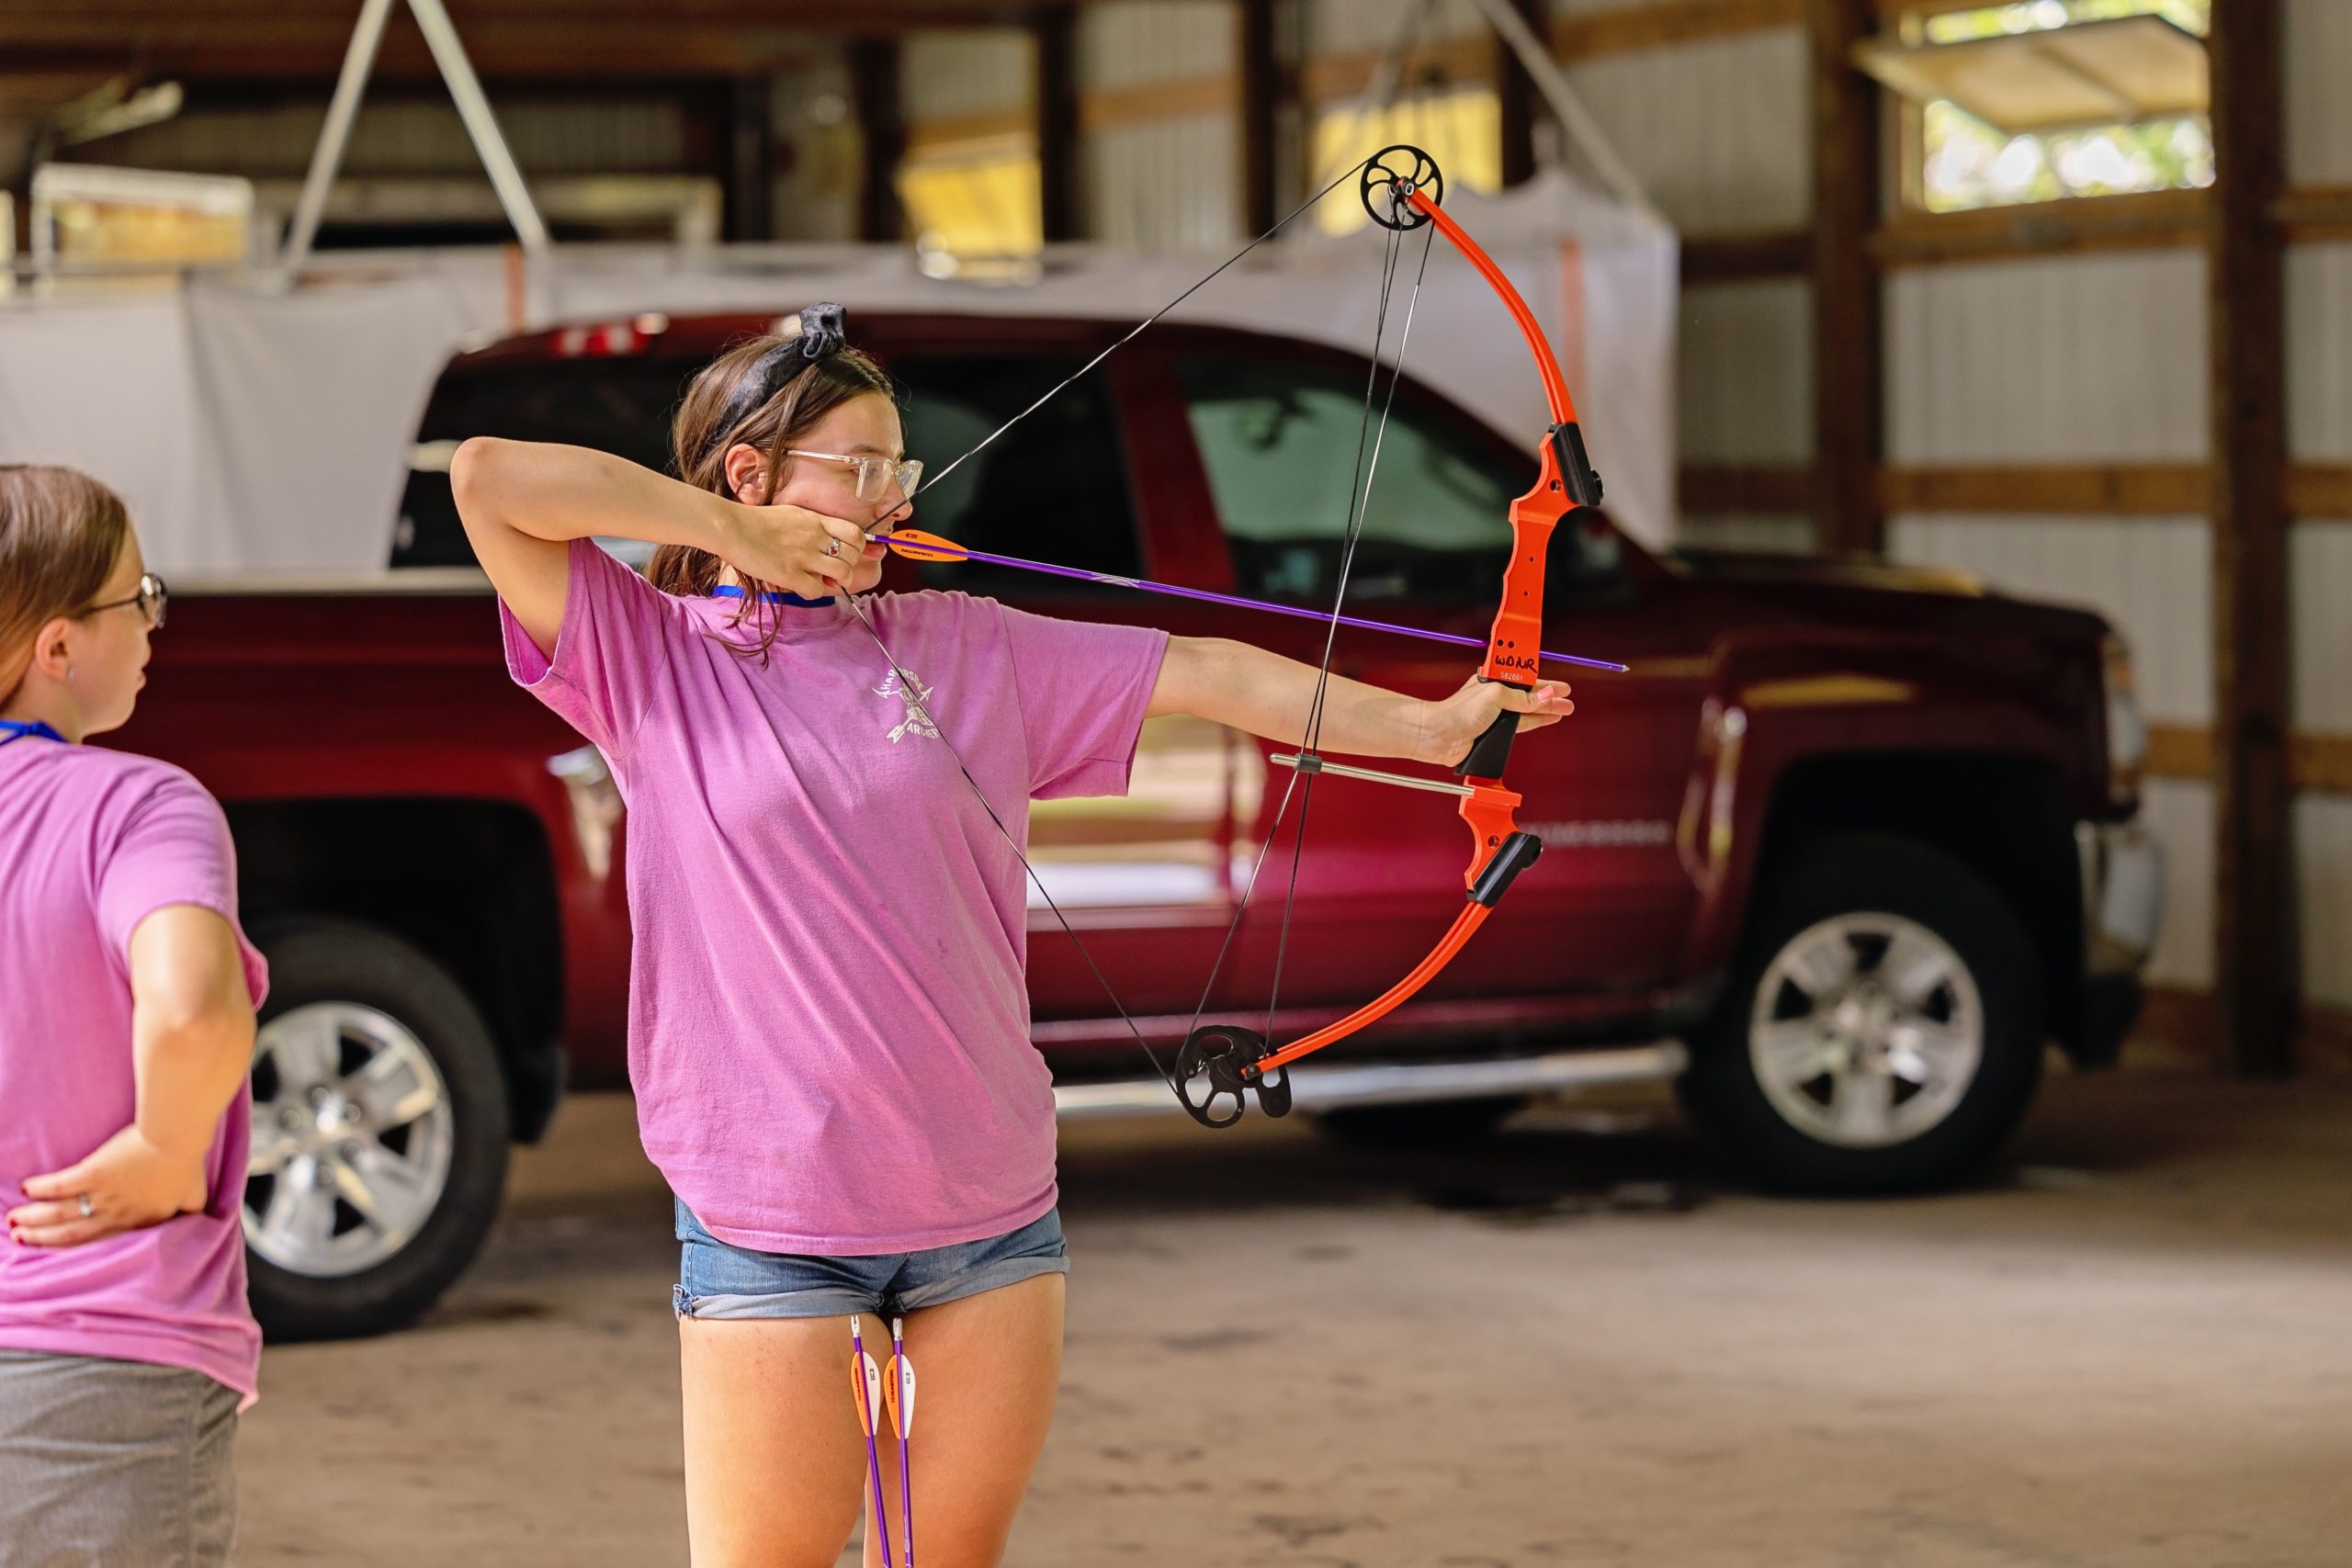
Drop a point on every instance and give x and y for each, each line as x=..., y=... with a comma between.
x=1882, y=1032
x=379, y=1134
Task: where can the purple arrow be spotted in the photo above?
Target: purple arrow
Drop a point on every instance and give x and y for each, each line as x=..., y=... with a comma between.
x=919, y=546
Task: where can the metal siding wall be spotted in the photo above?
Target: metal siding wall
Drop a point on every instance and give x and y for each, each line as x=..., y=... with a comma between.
x=1353, y=27
x=1128, y=44
x=2065, y=360
x=2147, y=575
x=2320, y=569
x=1745, y=381
x=1715, y=130
x=2319, y=111
x=1160, y=184
x=948, y=73
x=1747, y=531
x=2319, y=353
x=1170, y=185
x=2151, y=578
x=417, y=138
x=2179, y=812
x=2324, y=858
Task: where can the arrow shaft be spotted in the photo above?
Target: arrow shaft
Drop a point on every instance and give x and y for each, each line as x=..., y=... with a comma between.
x=1232, y=601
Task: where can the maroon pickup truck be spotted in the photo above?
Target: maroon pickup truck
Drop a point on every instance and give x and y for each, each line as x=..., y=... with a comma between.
x=1842, y=851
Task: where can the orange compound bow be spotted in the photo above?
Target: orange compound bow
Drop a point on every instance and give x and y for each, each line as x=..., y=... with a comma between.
x=1219, y=1065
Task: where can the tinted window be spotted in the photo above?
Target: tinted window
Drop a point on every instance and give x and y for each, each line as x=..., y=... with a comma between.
x=1053, y=488
x=619, y=405
x=1280, y=443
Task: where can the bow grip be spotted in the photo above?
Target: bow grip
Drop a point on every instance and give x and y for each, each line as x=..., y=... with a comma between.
x=1492, y=749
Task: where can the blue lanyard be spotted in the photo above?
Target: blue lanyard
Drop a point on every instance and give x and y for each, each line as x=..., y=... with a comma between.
x=730, y=592
x=17, y=729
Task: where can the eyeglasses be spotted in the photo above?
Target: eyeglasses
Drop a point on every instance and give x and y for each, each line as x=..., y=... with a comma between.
x=874, y=474
x=152, y=598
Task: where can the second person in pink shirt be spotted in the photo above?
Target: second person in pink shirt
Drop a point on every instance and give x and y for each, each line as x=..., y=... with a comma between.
x=828, y=1019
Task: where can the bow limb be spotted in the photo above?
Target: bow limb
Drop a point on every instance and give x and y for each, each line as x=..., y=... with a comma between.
x=1501, y=853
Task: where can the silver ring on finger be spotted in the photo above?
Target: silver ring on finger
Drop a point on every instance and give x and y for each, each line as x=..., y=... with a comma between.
x=833, y=547
x=88, y=1208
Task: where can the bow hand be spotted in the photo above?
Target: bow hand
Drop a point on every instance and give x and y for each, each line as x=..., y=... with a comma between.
x=1454, y=728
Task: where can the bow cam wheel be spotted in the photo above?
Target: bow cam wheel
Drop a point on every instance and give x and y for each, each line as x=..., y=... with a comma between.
x=1208, y=1073
x=1392, y=172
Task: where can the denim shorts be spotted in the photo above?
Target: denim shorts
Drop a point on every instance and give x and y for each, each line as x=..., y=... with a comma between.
x=718, y=1279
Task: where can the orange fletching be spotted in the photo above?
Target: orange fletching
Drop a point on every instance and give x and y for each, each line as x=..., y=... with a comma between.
x=916, y=544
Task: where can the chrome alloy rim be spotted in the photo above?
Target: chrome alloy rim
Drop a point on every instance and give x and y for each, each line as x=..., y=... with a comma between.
x=1867, y=1031
x=352, y=1133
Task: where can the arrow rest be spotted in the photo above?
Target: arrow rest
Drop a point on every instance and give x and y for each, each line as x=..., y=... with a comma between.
x=1388, y=175
x=1217, y=1066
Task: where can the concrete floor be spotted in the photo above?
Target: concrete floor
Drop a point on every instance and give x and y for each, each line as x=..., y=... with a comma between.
x=1577, y=1346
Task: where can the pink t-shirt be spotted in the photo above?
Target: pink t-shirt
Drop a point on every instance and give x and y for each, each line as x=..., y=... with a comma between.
x=92, y=842
x=829, y=1019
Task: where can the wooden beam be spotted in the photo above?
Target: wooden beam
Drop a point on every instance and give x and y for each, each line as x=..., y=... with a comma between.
x=2318, y=763
x=1052, y=30
x=1663, y=24
x=1746, y=258
x=1465, y=60
x=2155, y=218
x=1849, y=351
x=874, y=89
x=2317, y=490
x=1177, y=98
x=2254, y=925
x=2315, y=214
x=1262, y=97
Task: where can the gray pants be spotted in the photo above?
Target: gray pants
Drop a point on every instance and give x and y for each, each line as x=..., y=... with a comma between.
x=114, y=1464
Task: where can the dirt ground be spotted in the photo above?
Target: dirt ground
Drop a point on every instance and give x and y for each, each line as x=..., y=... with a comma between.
x=1579, y=1343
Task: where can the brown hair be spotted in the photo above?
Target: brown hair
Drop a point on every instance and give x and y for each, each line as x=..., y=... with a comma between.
x=699, y=444
x=61, y=533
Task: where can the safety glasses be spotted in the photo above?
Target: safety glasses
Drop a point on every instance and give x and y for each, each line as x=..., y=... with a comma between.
x=874, y=474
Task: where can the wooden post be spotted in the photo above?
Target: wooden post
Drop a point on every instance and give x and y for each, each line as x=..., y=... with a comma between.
x=1517, y=100
x=1261, y=109
x=1848, y=369
x=1054, y=29
x=751, y=158
x=2254, y=928
x=873, y=85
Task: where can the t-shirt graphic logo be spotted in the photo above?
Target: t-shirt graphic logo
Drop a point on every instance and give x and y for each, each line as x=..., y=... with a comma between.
x=909, y=688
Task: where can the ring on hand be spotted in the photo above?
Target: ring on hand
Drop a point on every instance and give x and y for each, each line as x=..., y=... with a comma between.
x=833, y=547
x=88, y=1208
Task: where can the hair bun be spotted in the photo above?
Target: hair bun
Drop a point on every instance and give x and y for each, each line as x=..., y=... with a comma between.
x=824, y=328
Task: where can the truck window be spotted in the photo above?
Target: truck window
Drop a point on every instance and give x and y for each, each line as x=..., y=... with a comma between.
x=1279, y=440
x=619, y=404
x=1053, y=488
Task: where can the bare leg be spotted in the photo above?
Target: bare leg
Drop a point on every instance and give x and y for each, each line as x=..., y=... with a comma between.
x=986, y=1370
x=776, y=1462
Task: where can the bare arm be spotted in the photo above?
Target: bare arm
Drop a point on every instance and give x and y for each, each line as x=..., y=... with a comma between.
x=192, y=1044
x=1269, y=696
x=524, y=501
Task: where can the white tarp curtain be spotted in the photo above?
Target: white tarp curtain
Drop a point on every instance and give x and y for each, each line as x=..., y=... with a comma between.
x=266, y=434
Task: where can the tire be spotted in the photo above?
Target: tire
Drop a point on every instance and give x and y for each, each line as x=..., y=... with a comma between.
x=1905, y=1073
x=380, y=1132
x=1430, y=1125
